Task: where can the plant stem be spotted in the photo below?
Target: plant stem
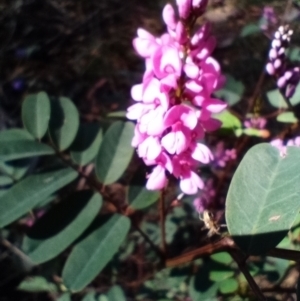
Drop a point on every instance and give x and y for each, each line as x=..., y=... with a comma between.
x=150, y=242
x=240, y=259
x=162, y=218
x=224, y=244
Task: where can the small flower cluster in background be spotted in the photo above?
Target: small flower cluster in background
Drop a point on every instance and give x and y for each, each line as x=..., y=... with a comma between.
x=174, y=103
x=287, y=78
x=268, y=19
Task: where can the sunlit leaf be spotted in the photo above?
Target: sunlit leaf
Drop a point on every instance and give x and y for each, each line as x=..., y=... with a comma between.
x=37, y=284
x=94, y=252
x=27, y=194
x=222, y=257
x=263, y=198
x=36, y=114
x=115, y=152
x=287, y=117
x=46, y=239
x=228, y=286
x=276, y=99
x=229, y=120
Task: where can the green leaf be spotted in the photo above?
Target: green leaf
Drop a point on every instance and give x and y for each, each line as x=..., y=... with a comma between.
x=115, y=152
x=276, y=99
x=287, y=117
x=36, y=114
x=263, y=198
x=14, y=135
x=90, y=297
x=222, y=257
x=46, y=239
x=220, y=275
x=26, y=195
x=13, y=150
x=65, y=297
x=5, y=180
x=64, y=122
x=229, y=120
x=228, y=286
x=250, y=29
x=94, y=252
x=116, y=293
x=293, y=54
x=139, y=197
x=37, y=284
x=232, y=92
x=201, y=288
x=87, y=143
x=117, y=114
x=16, y=169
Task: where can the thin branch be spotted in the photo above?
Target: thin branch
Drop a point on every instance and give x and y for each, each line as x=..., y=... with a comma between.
x=224, y=244
x=239, y=258
x=162, y=218
x=150, y=242
x=285, y=254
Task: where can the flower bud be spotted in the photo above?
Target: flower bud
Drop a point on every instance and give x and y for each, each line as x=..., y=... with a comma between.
x=184, y=8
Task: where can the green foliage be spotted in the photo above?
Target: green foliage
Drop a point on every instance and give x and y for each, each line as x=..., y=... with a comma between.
x=65, y=297
x=250, y=29
x=36, y=114
x=287, y=117
x=263, y=198
x=276, y=99
x=115, y=152
x=232, y=92
x=86, y=144
x=37, y=284
x=46, y=239
x=139, y=197
x=64, y=122
x=229, y=121
x=116, y=293
x=20, y=149
x=26, y=195
x=94, y=251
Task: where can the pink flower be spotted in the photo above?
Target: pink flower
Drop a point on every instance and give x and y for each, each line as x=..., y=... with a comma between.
x=157, y=179
x=190, y=183
x=174, y=103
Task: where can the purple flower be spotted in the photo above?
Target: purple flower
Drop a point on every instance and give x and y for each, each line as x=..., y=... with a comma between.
x=174, y=106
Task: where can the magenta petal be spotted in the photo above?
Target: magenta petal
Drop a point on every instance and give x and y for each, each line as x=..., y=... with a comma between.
x=144, y=44
x=184, y=8
x=169, y=142
x=168, y=15
x=214, y=105
x=157, y=179
x=202, y=153
x=137, y=92
x=190, y=184
x=181, y=113
x=149, y=149
x=211, y=124
x=138, y=137
x=191, y=70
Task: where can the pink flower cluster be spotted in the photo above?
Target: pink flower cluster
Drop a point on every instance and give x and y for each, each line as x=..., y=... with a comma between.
x=174, y=105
